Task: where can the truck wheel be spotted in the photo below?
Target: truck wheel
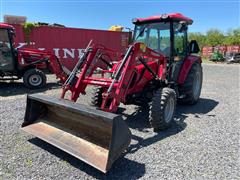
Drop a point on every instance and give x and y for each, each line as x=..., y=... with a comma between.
x=191, y=89
x=97, y=96
x=162, y=109
x=34, y=78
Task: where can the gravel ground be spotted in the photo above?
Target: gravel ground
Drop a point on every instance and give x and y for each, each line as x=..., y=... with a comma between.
x=202, y=144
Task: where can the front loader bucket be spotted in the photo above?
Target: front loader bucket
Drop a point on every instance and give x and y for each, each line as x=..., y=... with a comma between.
x=93, y=136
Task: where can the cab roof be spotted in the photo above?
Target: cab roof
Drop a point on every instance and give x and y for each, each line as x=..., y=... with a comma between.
x=6, y=26
x=172, y=16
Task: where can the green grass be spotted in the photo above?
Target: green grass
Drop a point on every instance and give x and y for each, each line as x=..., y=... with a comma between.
x=29, y=161
x=206, y=60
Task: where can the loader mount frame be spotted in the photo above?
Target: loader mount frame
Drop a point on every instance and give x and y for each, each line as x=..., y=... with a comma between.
x=124, y=75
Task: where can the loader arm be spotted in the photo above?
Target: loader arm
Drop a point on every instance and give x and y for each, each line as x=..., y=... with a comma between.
x=88, y=63
x=57, y=68
x=42, y=60
x=137, y=54
x=117, y=87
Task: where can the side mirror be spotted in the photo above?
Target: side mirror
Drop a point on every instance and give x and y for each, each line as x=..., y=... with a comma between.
x=193, y=47
x=181, y=27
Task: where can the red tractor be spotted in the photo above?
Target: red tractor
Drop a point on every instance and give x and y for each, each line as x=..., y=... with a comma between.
x=27, y=63
x=159, y=68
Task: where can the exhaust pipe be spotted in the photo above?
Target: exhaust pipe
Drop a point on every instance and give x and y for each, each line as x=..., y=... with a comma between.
x=96, y=137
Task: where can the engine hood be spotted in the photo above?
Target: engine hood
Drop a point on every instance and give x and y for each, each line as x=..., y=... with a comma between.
x=31, y=55
x=32, y=51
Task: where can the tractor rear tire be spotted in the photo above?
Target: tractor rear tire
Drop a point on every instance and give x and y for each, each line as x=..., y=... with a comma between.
x=34, y=79
x=191, y=89
x=162, y=109
x=97, y=96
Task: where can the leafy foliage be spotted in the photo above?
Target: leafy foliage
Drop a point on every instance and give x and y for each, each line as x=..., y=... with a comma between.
x=232, y=37
x=27, y=28
x=215, y=37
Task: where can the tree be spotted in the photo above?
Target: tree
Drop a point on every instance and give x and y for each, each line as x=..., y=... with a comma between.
x=232, y=37
x=199, y=37
x=214, y=37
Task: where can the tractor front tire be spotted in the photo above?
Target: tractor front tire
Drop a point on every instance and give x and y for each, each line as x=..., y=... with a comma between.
x=191, y=89
x=97, y=96
x=34, y=79
x=162, y=109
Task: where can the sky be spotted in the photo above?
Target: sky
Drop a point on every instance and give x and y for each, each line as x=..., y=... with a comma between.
x=93, y=14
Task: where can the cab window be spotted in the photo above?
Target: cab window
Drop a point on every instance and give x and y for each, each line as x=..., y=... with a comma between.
x=180, y=40
x=6, y=58
x=154, y=35
x=153, y=39
x=4, y=40
x=165, y=42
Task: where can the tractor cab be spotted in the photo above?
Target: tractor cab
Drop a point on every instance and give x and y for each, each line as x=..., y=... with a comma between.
x=167, y=35
x=7, y=59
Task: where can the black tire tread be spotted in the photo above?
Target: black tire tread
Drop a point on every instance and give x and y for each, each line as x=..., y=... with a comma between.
x=30, y=72
x=187, y=87
x=157, y=105
x=96, y=99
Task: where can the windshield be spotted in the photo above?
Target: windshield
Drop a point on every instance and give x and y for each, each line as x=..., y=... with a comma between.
x=155, y=35
x=4, y=40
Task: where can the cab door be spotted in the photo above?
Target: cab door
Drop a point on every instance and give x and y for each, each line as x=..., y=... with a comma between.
x=179, y=49
x=6, y=55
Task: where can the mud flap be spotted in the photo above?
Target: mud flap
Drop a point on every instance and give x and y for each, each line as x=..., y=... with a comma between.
x=93, y=136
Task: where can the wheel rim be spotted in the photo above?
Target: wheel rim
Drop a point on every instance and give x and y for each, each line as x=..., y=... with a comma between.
x=169, y=110
x=35, y=80
x=196, y=85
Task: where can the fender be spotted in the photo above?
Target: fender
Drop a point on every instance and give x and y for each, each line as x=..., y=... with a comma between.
x=187, y=64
